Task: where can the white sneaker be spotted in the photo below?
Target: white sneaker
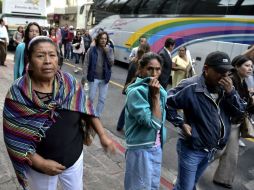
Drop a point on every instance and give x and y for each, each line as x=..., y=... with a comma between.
x=76, y=70
x=241, y=143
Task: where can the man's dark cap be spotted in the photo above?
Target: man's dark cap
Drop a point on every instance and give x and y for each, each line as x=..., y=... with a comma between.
x=220, y=61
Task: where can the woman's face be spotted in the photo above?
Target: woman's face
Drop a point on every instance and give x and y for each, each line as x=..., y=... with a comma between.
x=103, y=40
x=182, y=52
x=33, y=31
x=152, y=69
x=44, y=61
x=245, y=69
x=20, y=29
x=79, y=34
x=53, y=32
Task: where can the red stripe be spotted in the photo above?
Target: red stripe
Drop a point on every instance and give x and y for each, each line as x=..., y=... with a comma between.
x=163, y=181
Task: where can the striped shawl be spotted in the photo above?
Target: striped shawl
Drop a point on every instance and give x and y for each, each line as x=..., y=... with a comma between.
x=26, y=118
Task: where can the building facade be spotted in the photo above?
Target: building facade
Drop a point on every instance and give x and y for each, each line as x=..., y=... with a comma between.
x=71, y=12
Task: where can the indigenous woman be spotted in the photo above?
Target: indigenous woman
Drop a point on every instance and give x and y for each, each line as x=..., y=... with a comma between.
x=144, y=126
x=42, y=119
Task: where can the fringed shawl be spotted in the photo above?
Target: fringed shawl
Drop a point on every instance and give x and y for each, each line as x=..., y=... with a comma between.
x=26, y=118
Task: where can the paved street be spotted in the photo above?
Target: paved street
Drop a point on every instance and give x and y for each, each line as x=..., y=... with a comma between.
x=106, y=172
x=101, y=171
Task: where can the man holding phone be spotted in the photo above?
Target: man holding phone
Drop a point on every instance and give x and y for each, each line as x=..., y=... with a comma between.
x=208, y=101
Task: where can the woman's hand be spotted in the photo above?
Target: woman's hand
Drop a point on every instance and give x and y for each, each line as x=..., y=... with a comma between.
x=107, y=144
x=49, y=167
x=154, y=87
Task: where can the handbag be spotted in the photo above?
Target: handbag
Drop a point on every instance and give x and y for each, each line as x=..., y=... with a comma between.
x=246, y=127
x=89, y=133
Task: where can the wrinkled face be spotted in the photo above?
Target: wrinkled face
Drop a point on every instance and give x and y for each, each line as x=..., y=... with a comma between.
x=152, y=69
x=33, y=31
x=44, y=62
x=212, y=76
x=245, y=69
x=103, y=40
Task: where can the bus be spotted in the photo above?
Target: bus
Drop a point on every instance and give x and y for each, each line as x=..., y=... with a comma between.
x=202, y=26
x=21, y=12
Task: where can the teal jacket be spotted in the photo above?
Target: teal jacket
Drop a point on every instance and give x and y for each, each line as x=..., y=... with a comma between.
x=141, y=126
x=19, y=64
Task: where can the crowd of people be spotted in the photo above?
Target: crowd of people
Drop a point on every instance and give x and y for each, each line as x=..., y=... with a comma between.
x=46, y=109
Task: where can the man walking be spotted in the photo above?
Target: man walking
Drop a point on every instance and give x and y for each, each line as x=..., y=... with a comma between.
x=208, y=101
x=99, y=59
x=134, y=51
x=165, y=54
x=4, y=41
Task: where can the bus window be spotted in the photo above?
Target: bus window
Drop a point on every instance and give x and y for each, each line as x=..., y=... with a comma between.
x=167, y=7
x=241, y=7
x=130, y=7
x=115, y=6
x=205, y=7
x=158, y=7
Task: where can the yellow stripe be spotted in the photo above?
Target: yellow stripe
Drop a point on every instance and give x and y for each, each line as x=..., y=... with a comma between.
x=71, y=65
x=79, y=68
x=121, y=86
x=250, y=139
x=135, y=36
x=116, y=84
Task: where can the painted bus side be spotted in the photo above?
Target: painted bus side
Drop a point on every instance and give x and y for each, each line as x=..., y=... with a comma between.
x=200, y=35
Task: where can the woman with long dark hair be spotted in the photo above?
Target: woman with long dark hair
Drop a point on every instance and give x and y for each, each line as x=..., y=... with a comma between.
x=21, y=61
x=226, y=170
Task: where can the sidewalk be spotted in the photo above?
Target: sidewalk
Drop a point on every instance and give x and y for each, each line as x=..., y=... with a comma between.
x=101, y=171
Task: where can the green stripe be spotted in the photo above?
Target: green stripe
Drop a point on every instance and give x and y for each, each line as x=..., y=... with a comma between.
x=175, y=24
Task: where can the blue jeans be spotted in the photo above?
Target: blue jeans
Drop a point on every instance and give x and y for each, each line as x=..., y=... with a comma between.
x=77, y=57
x=68, y=50
x=143, y=169
x=191, y=165
x=103, y=90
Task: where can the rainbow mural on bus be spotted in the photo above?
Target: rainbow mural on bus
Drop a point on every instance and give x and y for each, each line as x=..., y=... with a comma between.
x=186, y=31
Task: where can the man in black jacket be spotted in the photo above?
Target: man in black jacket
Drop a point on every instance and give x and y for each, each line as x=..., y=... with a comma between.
x=165, y=53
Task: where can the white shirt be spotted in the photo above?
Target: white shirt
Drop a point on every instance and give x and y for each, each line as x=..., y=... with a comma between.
x=4, y=33
x=168, y=52
x=134, y=52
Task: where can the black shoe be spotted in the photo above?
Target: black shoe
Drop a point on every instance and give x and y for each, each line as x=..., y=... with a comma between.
x=222, y=184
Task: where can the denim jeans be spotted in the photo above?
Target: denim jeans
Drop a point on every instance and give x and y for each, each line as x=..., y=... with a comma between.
x=103, y=90
x=68, y=50
x=77, y=57
x=143, y=169
x=191, y=165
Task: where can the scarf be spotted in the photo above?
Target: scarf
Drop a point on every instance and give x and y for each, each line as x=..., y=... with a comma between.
x=26, y=118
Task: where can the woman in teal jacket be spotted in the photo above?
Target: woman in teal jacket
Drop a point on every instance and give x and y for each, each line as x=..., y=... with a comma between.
x=144, y=126
x=33, y=29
